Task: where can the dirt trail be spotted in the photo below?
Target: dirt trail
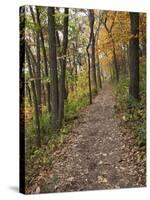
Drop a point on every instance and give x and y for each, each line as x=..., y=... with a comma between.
x=97, y=154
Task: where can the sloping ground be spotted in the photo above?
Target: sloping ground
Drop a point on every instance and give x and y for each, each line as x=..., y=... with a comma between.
x=98, y=154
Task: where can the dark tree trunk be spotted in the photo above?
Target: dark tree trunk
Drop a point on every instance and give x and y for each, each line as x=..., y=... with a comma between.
x=89, y=76
x=37, y=67
x=115, y=62
x=99, y=73
x=134, y=56
x=92, y=19
x=29, y=94
x=44, y=91
x=53, y=67
x=44, y=95
x=99, y=80
x=45, y=60
x=89, y=62
x=63, y=67
x=38, y=71
x=36, y=107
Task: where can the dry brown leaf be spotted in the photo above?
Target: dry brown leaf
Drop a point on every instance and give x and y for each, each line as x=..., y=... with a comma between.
x=70, y=179
x=102, y=179
x=37, y=191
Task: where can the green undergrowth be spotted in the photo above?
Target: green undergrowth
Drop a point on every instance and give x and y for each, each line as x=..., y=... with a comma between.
x=132, y=112
x=73, y=107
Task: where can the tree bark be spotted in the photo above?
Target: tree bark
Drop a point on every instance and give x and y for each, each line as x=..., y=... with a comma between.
x=115, y=63
x=134, y=56
x=53, y=67
x=92, y=19
x=63, y=67
x=38, y=58
x=38, y=70
x=29, y=93
x=45, y=60
x=36, y=107
x=89, y=76
x=89, y=64
x=99, y=73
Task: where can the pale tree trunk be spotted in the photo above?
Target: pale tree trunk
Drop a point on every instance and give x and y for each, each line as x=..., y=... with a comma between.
x=63, y=68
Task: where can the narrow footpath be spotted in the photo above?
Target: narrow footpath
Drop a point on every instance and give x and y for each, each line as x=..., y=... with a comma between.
x=98, y=154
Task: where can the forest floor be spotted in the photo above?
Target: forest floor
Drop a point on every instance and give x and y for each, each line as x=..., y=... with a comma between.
x=98, y=153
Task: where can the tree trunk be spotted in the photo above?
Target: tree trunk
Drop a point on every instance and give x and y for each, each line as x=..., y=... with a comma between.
x=53, y=67
x=45, y=60
x=74, y=62
x=92, y=19
x=134, y=56
x=99, y=73
x=36, y=107
x=115, y=63
x=63, y=68
x=37, y=67
x=89, y=77
x=29, y=94
x=38, y=71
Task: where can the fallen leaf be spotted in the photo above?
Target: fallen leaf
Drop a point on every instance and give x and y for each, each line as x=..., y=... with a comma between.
x=86, y=171
x=100, y=162
x=102, y=179
x=122, y=168
x=70, y=179
x=37, y=191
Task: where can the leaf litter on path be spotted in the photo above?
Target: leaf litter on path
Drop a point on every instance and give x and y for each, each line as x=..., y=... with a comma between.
x=98, y=154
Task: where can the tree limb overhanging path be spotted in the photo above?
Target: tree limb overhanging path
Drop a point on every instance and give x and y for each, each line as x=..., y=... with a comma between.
x=98, y=154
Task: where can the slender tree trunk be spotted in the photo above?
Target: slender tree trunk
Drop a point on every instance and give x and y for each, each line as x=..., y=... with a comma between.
x=37, y=67
x=89, y=64
x=63, y=68
x=115, y=63
x=44, y=94
x=74, y=63
x=36, y=107
x=53, y=67
x=92, y=19
x=89, y=77
x=38, y=71
x=134, y=56
x=44, y=91
x=45, y=60
x=29, y=94
x=99, y=73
